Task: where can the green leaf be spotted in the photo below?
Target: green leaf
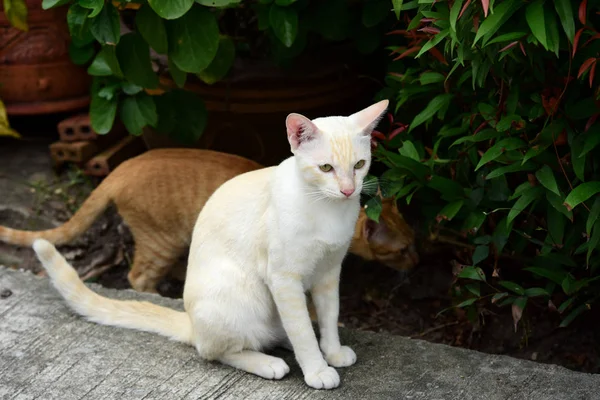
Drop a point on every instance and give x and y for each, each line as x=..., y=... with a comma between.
x=435, y=105
x=94, y=5
x=179, y=77
x=493, y=22
x=552, y=34
x=397, y=4
x=81, y=55
x=564, y=9
x=513, y=287
x=454, y=11
x=171, y=9
x=481, y=136
x=130, y=88
x=556, y=225
x=557, y=202
x=433, y=42
x=525, y=200
x=590, y=140
x=450, y=210
x=79, y=25
x=536, y=292
x=47, y=4
x=467, y=302
x=221, y=64
x=102, y=113
x=573, y=314
x=106, y=27
x=480, y=254
x=373, y=208
x=427, y=78
x=152, y=28
x=498, y=296
x=534, y=14
x=507, y=37
x=593, y=217
x=409, y=150
x=133, y=54
x=593, y=243
x=561, y=309
x=16, y=13
x=374, y=12
x=137, y=112
x=450, y=189
x=546, y=178
x=516, y=167
x=100, y=66
x=474, y=273
x=193, y=40
x=474, y=288
x=499, y=148
x=581, y=193
x=225, y=3
x=181, y=114
x=556, y=276
x=284, y=23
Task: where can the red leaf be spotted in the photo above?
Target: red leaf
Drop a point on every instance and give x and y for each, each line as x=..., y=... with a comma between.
x=509, y=46
x=408, y=52
x=486, y=6
x=584, y=67
x=397, y=131
x=397, y=32
x=582, y=11
x=390, y=118
x=591, y=121
x=576, y=40
x=430, y=29
x=464, y=8
x=592, y=72
x=476, y=22
x=378, y=135
x=397, y=75
x=438, y=55
x=523, y=49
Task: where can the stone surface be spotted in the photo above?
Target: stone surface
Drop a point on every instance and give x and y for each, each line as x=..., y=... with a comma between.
x=47, y=352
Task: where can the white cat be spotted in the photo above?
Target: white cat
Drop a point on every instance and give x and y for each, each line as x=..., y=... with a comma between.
x=260, y=243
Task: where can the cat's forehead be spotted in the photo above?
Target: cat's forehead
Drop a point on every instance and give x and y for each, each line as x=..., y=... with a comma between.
x=337, y=126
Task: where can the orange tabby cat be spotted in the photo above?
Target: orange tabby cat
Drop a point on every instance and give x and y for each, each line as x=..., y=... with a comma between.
x=159, y=195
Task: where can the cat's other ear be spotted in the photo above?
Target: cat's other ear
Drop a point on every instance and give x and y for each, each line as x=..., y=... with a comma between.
x=368, y=118
x=375, y=232
x=299, y=130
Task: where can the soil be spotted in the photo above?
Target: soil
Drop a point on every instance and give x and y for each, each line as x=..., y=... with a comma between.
x=373, y=297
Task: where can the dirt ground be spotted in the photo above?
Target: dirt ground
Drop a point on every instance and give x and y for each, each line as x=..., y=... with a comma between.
x=373, y=297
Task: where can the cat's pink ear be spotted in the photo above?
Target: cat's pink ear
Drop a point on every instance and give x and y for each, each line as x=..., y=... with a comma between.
x=299, y=130
x=368, y=118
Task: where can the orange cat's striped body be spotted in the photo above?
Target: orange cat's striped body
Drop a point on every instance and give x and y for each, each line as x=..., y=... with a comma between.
x=159, y=195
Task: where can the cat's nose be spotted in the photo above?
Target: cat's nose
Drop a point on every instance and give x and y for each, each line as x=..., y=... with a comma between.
x=347, y=192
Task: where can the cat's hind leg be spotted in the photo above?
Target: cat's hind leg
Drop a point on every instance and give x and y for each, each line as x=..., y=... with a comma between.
x=257, y=363
x=151, y=263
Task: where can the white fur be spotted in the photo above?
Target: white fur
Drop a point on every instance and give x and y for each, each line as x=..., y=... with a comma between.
x=262, y=240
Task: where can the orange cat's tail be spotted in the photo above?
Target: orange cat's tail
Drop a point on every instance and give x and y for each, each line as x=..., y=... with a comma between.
x=139, y=315
x=91, y=208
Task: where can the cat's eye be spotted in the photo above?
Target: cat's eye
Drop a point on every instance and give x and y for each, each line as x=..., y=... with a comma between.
x=359, y=164
x=325, y=167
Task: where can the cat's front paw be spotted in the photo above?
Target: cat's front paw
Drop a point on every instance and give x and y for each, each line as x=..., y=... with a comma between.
x=344, y=357
x=327, y=378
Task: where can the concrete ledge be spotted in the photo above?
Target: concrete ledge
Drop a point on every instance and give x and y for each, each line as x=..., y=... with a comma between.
x=47, y=352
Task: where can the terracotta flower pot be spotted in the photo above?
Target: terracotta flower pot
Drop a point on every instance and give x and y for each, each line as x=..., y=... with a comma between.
x=36, y=73
x=247, y=111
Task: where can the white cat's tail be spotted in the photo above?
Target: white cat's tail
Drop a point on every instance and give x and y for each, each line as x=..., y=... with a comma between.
x=139, y=315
